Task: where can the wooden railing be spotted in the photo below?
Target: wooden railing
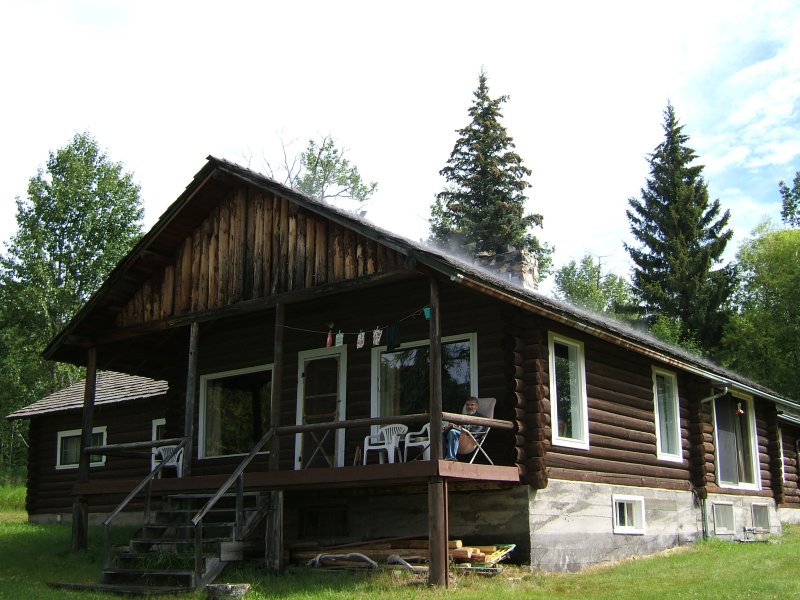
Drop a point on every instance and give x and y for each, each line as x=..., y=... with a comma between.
x=146, y=484
x=236, y=477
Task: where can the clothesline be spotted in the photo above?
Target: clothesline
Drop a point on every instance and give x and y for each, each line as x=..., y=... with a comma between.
x=324, y=331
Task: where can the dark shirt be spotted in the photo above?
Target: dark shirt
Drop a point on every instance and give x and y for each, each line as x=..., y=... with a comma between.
x=475, y=428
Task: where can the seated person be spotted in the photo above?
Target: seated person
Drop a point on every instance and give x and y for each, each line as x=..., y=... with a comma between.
x=452, y=433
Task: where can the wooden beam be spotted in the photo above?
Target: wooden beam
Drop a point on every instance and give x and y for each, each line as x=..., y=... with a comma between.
x=191, y=388
x=80, y=507
x=247, y=307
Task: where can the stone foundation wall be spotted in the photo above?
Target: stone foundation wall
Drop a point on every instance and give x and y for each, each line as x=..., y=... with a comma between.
x=572, y=524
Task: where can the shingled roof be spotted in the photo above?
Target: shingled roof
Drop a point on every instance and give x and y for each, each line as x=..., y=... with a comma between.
x=112, y=387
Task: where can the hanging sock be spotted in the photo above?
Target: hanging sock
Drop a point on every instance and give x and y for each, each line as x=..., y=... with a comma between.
x=329, y=341
x=393, y=338
x=376, y=336
x=360, y=340
x=339, y=339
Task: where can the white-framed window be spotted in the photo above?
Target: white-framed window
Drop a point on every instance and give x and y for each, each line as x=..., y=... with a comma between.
x=234, y=410
x=568, y=401
x=760, y=514
x=735, y=433
x=401, y=377
x=68, y=448
x=158, y=432
x=723, y=518
x=628, y=514
x=667, y=414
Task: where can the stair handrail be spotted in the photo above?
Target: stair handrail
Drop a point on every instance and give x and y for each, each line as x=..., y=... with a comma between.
x=146, y=482
x=237, y=476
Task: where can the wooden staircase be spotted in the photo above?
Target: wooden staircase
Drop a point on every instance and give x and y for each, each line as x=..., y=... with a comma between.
x=160, y=557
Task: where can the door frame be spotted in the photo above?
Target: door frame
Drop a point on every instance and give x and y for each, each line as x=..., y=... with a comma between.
x=303, y=357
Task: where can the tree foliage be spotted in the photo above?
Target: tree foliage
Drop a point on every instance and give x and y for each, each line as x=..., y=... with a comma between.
x=790, y=212
x=761, y=339
x=323, y=171
x=482, y=208
x=585, y=285
x=81, y=216
x=681, y=237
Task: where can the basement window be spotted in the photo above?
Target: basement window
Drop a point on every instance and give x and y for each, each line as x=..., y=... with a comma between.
x=723, y=518
x=628, y=515
x=760, y=517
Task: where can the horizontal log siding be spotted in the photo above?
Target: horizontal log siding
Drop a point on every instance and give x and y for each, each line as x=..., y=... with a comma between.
x=251, y=245
x=50, y=489
x=791, y=493
x=622, y=430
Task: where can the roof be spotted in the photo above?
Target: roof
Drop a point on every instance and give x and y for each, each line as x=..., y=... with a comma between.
x=199, y=196
x=112, y=388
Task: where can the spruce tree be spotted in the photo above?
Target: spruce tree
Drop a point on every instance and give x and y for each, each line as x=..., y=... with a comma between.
x=483, y=207
x=681, y=238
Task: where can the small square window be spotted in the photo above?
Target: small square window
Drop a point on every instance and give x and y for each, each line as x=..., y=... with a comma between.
x=760, y=517
x=69, y=448
x=628, y=515
x=723, y=518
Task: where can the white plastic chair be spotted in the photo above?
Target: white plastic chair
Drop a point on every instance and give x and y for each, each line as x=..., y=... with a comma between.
x=175, y=462
x=386, y=440
x=472, y=443
x=418, y=439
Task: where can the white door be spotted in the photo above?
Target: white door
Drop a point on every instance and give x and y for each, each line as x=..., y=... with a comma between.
x=321, y=388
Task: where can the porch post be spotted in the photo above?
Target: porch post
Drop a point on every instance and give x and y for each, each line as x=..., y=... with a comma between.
x=437, y=532
x=438, y=522
x=191, y=389
x=435, y=407
x=277, y=385
x=80, y=507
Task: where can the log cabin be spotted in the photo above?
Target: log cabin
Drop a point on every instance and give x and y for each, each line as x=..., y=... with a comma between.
x=285, y=332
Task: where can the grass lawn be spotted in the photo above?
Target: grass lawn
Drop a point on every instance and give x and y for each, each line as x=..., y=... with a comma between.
x=32, y=555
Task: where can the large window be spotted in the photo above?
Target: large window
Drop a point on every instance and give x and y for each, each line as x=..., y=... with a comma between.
x=401, y=378
x=69, y=448
x=668, y=425
x=568, y=403
x=234, y=410
x=737, y=460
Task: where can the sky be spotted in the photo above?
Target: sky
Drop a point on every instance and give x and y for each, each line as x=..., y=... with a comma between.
x=162, y=85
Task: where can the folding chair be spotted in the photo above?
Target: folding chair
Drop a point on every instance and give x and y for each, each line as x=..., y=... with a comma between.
x=472, y=443
x=386, y=440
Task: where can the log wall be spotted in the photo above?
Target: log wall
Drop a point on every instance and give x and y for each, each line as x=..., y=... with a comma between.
x=622, y=431
x=50, y=489
x=251, y=245
x=791, y=494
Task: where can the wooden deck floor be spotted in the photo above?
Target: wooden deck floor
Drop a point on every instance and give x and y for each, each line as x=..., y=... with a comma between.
x=398, y=474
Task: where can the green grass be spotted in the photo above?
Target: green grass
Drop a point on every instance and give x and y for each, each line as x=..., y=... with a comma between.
x=31, y=555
